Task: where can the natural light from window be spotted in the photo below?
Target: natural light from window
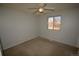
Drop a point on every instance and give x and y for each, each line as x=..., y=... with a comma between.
x=50, y=23
x=54, y=22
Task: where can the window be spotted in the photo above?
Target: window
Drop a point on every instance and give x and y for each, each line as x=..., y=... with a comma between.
x=54, y=23
x=50, y=23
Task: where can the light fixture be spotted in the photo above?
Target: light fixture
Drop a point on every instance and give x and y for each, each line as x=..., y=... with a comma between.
x=40, y=10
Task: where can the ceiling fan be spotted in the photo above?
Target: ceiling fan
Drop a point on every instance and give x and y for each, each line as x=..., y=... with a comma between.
x=41, y=9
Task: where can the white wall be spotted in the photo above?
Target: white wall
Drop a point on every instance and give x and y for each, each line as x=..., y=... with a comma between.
x=68, y=33
x=17, y=27
x=77, y=45
x=78, y=29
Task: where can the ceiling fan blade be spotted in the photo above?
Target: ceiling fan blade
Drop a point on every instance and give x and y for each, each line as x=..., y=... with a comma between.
x=32, y=8
x=35, y=12
x=50, y=9
x=42, y=5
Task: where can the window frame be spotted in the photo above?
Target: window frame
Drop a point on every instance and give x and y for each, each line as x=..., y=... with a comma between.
x=54, y=22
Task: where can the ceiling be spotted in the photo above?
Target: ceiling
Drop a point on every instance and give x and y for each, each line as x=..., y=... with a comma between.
x=24, y=6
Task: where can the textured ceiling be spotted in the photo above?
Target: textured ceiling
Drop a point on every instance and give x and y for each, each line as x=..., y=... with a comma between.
x=57, y=6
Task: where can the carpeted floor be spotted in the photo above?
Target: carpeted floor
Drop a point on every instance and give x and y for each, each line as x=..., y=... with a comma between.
x=41, y=47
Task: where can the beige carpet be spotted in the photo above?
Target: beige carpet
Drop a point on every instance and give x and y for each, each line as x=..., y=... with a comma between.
x=41, y=47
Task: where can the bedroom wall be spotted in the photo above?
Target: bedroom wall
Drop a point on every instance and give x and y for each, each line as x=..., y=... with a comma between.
x=77, y=45
x=78, y=30
x=78, y=41
x=68, y=33
x=17, y=27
